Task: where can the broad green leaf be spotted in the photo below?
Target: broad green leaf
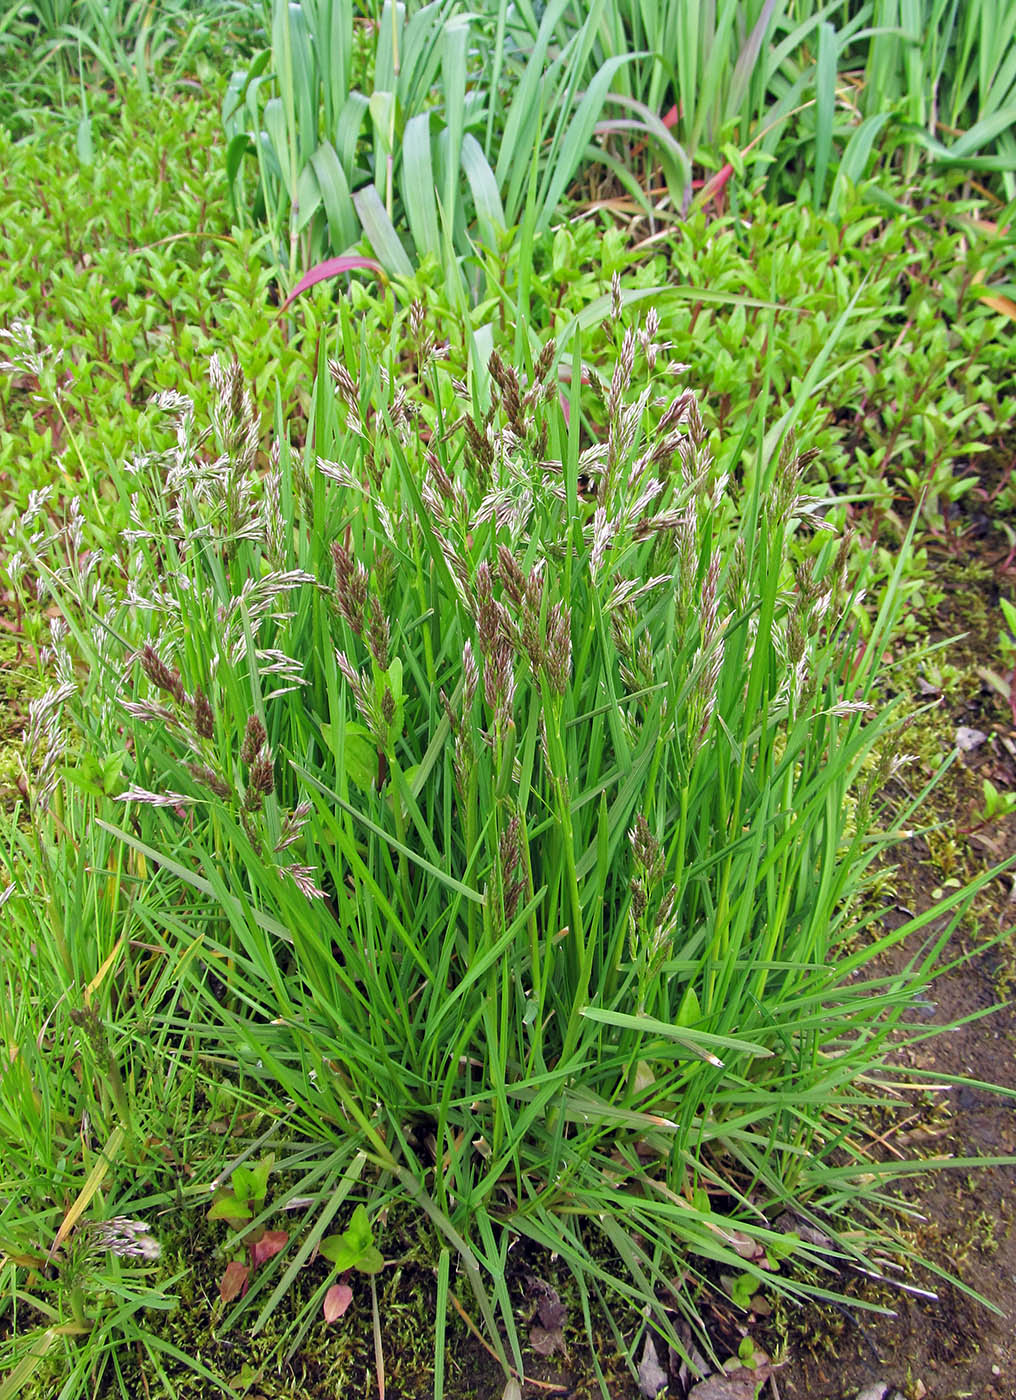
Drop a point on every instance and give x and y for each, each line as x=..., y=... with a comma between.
x=486, y=199
x=343, y=225
x=825, y=103
x=418, y=185
x=381, y=233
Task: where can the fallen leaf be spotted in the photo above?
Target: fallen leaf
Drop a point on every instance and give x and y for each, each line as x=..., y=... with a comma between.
x=1005, y=306
x=745, y=1246
x=552, y=1311
x=337, y=1300
x=270, y=1243
x=652, y=1376
x=787, y=1225
x=546, y=1340
x=741, y=1384
x=967, y=739
x=234, y=1281
x=695, y=1367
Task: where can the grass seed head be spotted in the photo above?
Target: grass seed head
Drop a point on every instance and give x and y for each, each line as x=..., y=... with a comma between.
x=253, y=741
x=164, y=677
x=379, y=635
x=350, y=587
x=204, y=715
x=207, y=778
x=127, y=1239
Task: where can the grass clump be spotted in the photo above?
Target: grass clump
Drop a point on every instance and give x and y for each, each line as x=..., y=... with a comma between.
x=482, y=787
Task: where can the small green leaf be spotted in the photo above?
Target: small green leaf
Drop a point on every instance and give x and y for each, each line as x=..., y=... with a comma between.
x=360, y=756
x=85, y=146
x=371, y=1261
x=259, y=1177
x=359, y=1233
x=229, y=1208
x=112, y=765
x=395, y=679
x=689, y=1013
x=337, y=1250
x=243, y=1183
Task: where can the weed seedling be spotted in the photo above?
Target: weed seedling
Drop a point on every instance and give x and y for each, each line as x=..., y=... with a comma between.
x=238, y=1207
x=353, y=1249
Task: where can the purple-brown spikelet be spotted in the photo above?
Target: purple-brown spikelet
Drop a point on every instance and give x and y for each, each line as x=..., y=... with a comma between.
x=350, y=586
x=510, y=859
x=507, y=381
x=166, y=678
x=205, y=777
x=253, y=741
x=558, y=648
x=513, y=580
x=378, y=635
x=204, y=716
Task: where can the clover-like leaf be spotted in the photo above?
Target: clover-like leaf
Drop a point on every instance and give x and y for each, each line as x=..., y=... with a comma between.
x=371, y=1261
x=339, y=1252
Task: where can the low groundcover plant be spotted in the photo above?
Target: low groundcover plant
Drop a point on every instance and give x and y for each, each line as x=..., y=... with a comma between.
x=509, y=778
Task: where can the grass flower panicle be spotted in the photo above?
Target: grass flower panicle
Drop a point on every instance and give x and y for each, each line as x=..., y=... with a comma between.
x=126, y=1238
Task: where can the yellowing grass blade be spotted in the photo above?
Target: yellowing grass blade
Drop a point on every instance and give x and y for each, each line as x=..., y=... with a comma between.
x=95, y=1179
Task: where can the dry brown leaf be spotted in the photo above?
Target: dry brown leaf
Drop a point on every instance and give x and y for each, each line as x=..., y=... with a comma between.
x=234, y=1281
x=552, y=1311
x=742, y=1384
x=652, y=1376
x=546, y=1340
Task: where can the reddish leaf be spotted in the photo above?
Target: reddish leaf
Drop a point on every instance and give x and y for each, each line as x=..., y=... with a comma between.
x=331, y=267
x=270, y=1243
x=712, y=187
x=234, y=1281
x=337, y=1300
